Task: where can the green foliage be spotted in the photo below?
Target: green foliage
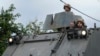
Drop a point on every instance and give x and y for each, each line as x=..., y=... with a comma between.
x=34, y=27
x=7, y=25
x=2, y=47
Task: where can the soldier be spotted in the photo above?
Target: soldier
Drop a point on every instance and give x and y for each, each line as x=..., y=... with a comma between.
x=69, y=14
x=67, y=8
x=80, y=23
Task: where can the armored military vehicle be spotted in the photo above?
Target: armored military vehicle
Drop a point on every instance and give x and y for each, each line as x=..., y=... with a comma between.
x=66, y=42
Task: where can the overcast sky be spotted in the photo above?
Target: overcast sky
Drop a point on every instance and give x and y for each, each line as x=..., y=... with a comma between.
x=32, y=9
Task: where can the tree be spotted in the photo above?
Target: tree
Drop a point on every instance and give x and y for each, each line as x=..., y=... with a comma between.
x=7, y=25
x=34, y=27
x=21, y=29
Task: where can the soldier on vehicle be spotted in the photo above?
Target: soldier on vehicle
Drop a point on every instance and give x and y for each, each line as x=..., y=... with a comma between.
x=69, y=14
x=80, y=23
x=67, y=8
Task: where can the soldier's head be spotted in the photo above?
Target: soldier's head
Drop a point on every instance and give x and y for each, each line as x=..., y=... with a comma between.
x=67, y=7
x=80, y=24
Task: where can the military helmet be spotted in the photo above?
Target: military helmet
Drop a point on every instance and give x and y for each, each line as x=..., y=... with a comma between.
x=67, y=5
x=81, y=20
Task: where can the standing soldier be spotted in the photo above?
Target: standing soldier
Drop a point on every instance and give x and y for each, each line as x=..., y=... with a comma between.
x=67, y=8
x=68, y=20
